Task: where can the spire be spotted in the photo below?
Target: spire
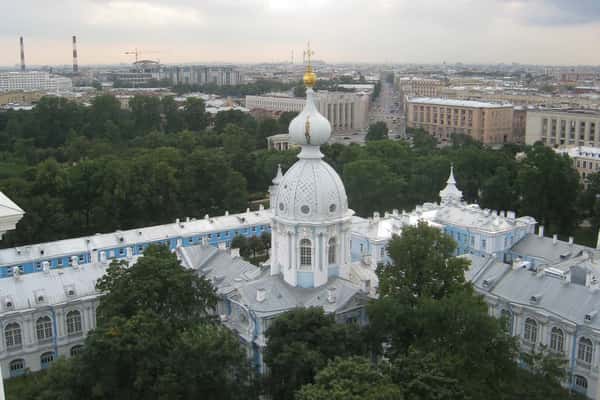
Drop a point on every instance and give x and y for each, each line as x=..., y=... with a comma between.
x=451, y=179
x=279, y=176
x=310, y=129
x=310, y=78
x=450, y=194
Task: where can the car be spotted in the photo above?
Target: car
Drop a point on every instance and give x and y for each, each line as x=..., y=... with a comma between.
x=346, y=138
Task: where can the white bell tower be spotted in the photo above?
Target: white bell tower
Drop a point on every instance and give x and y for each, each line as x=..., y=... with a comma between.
x=311, y=226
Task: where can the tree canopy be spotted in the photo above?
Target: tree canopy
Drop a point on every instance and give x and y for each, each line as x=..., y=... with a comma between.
x=153, y=340
x=302, y=341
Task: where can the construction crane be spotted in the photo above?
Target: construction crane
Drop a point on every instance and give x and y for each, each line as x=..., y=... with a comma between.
x=137, y=53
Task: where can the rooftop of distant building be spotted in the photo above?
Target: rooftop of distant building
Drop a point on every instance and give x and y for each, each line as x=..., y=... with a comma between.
x=457, y=103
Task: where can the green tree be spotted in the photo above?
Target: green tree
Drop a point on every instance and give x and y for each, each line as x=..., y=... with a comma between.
x=377, y=131
x=284, y=120
x=145, y=111
x=241, y=242
x=371, y=185
x=422, y=376
x=301, y=342
x=266, y=127
x=423, y=264
x=353, y=378
x=498, y=191
x=154, y=340
x=548, y=187
x=194, y=113
x=174, y=120
x=156, y=283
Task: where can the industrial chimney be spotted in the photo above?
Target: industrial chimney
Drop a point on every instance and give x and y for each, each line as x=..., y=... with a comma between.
x=22, y=54
x=75, y=63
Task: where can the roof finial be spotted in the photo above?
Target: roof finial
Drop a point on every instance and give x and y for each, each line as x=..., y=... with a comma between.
x=451, y=177
x=278, y=176
x=310, y=78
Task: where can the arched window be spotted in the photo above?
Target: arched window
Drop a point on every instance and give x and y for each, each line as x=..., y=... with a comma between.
x=305, y=253
x=43, y=328
x=46, y=359
x=585, y=350
x=73, y=322
x=530, y=333
x=76, y=350
x=331, y=251
x=12, y=334
x=508, y=320
x=17, y=367
x=557, y=340
x=581, y=384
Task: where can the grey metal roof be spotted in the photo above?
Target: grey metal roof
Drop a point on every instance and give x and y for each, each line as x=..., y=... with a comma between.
x=55, y=287
x=544, y=248
x=236, y=278
x=224, y=271
x=555, y=297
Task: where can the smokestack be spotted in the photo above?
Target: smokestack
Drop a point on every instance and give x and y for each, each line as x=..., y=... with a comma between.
x=75, y=63
x=22, y=54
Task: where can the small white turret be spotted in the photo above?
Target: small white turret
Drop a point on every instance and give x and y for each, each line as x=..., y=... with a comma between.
x=450, y=194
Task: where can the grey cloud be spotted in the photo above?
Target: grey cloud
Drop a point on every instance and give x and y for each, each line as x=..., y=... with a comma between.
x=558, y=12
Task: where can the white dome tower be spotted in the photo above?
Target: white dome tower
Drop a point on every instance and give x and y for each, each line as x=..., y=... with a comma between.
x=311, y=220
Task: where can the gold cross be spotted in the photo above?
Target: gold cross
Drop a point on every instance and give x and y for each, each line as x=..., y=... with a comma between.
x=308, y=53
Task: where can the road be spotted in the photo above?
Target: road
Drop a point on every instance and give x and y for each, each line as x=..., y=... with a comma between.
x=388, y=107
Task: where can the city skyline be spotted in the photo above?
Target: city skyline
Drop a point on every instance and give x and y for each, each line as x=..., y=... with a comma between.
x=552, y=32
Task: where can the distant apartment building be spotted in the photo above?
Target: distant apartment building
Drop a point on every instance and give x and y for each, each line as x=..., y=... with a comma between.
x=347, y=112
x=563, y=127
x=421, y=87
x=202, y=75
x=586, y=160
x=34, y=81
x=146, y=71
x=489, y=123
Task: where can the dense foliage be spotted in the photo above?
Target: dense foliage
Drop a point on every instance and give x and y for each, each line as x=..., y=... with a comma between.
x=429, y=337
x=79, y=170
x=377, y=131
x=300, y=343
x=154, y=340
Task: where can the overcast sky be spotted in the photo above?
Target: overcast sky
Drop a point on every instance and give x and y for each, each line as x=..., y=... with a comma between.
x=482, y=31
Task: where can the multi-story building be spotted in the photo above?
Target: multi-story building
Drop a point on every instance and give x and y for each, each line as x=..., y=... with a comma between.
x=202, y=75
x=489, y=123
x=421, y=87
x=34, y=81
x=563, y=127
x=586, y=160
x=475, y=230
x=549, y=295
x=347, y=112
